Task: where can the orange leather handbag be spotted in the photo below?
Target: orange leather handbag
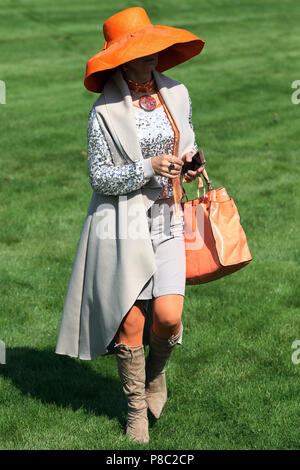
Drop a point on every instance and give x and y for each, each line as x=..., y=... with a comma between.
x=215, y=242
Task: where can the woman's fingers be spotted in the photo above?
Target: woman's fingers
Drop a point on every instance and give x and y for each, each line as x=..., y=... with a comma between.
x=187, y=157
x=200, y=170
x=186, y=179
x=170, y=175
x=161, y=165
x=191, y=175
x=176, y=161
x=176, y=166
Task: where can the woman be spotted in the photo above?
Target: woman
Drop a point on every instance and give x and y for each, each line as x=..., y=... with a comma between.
x=128, y=280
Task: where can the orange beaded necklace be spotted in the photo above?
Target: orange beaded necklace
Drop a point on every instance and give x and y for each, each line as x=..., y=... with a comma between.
x=146, y=102
x=141, y=87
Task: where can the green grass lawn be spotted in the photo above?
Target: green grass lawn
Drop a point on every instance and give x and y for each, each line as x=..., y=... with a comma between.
x=232, y=383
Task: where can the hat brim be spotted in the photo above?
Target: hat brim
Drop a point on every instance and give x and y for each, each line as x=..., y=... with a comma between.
x=174, y=45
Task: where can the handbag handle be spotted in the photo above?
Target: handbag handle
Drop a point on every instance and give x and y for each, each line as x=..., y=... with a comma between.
x=203, y=175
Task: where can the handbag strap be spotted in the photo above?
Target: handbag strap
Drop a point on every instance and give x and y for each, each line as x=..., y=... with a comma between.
x=205, y=176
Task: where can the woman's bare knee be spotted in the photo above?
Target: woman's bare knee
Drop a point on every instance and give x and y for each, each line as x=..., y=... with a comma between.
x=167, y=312
x=134, y=321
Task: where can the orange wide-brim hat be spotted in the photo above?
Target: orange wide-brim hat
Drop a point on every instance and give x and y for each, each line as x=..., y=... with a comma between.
x=130, y=35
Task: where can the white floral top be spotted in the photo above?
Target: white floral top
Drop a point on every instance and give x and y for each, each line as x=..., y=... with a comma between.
x=156, y=137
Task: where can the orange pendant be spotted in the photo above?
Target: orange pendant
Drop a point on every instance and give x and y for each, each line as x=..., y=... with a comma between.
x=147, y=103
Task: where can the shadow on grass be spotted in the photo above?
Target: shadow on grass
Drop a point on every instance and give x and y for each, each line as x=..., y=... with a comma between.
x=64, y=381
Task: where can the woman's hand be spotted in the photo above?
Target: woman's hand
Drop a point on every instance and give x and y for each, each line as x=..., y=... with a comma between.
x=161, y=165
x=191, y=175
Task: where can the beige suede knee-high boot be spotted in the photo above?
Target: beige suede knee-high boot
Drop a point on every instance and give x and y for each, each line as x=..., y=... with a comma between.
x=131, y=368
x=156, y=389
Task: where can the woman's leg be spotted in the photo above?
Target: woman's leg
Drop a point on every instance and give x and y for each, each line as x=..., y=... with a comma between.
x=167, y=311
x=130, y=355
x=131, y=329
x=164, y=335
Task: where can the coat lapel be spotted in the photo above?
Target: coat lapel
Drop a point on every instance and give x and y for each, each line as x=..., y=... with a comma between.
x=120, y=114
x=175, y=96
x=169, y=91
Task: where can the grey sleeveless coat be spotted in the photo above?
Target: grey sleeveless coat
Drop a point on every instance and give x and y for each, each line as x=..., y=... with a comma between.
x=109, y=271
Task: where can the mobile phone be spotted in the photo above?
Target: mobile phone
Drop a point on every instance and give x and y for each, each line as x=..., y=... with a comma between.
x=197, y=161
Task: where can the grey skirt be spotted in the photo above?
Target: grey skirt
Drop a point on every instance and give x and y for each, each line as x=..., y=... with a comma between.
x=166, y=232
